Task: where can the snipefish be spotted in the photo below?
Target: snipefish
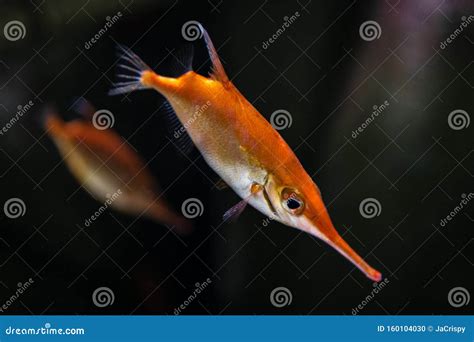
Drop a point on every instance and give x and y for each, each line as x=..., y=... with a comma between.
x=108, y=168
x=241, y=146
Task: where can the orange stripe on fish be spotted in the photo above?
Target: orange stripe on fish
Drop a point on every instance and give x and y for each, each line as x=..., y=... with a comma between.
x=243, y=148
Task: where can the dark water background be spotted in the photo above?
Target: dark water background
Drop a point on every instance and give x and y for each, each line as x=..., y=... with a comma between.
x=327, y=78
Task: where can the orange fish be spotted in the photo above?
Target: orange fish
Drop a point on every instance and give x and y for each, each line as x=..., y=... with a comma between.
x=242, y=147
x=107, y=167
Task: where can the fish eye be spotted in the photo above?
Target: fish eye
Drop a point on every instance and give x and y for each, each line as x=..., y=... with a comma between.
x=292, y=202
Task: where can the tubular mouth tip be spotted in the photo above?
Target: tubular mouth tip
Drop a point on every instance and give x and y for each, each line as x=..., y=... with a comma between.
x=375, y=275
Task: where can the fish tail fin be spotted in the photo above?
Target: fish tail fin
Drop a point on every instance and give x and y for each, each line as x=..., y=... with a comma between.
x=134, y=70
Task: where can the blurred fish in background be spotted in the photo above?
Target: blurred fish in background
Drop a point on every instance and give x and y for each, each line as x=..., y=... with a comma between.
x=107, y=166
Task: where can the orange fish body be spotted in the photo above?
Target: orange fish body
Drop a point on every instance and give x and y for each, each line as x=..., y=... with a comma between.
x=245, y=150
x=104, y=164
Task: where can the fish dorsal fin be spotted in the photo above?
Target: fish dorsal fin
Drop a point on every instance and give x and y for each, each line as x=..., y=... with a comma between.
x=182, y=60
x=217, y=72
x=177, y=131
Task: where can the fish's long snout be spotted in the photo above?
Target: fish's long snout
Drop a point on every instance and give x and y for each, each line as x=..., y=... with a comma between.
x=343, y=247
x=325, y=230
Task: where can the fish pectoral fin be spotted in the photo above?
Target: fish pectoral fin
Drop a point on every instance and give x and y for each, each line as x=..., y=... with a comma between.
x=234, y=212
x=218, y=72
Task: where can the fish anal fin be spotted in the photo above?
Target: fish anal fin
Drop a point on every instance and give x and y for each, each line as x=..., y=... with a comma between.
x=218, y=72
x=178, y=135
